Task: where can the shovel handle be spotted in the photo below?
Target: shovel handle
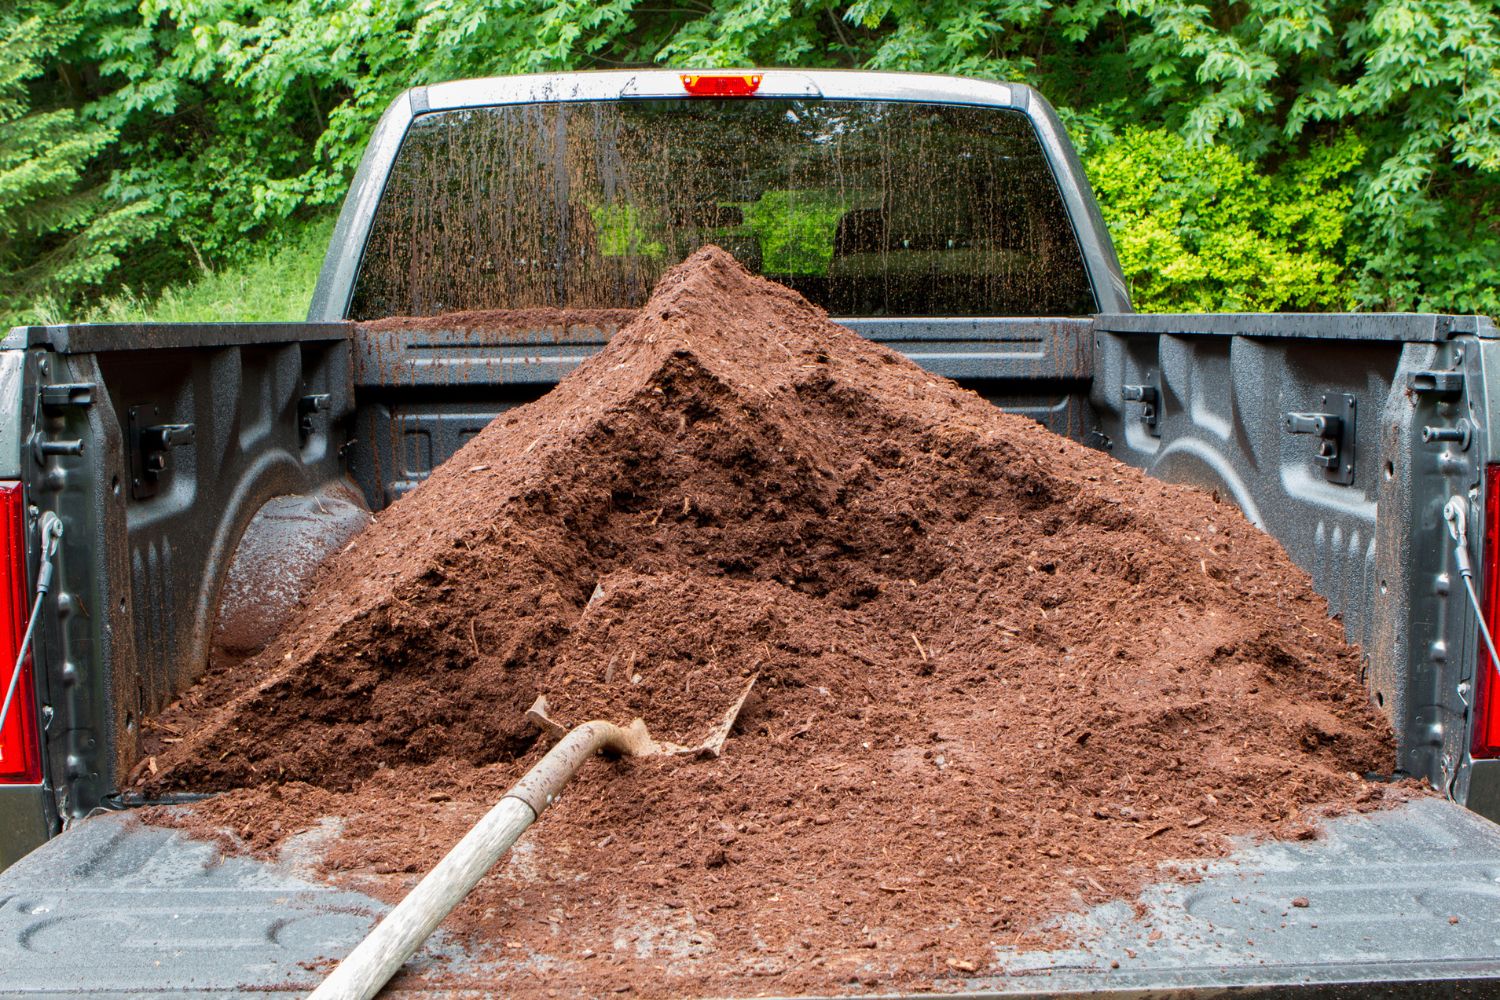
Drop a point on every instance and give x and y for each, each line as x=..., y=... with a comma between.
x=397, y=937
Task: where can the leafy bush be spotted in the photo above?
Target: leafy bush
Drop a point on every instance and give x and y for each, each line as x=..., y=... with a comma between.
x=1199, y=228
x=622, y=233
x=273, y=285
x=162, y=131
x=796, y=229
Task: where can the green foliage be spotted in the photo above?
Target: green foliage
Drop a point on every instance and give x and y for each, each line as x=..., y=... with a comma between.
x=796, y=229
x=621, y=233
x=59, y=231
x=178, y=129
x=1199, y=228
x=274, y=285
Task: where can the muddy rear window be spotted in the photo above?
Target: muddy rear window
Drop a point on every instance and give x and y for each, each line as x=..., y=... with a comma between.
x=867, y=208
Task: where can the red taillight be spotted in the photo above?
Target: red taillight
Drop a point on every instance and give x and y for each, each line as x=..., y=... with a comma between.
x=20, y=749
x=715, y=85
x=1486, y=742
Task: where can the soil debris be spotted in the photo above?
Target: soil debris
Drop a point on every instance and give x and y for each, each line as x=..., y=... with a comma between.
x=502, y=321
x=1002, y=676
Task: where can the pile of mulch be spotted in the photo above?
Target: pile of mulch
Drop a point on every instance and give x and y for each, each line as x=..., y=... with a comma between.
x=1001, y=676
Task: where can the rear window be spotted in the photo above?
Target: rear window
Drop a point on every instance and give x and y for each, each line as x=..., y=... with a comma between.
x=868, y=208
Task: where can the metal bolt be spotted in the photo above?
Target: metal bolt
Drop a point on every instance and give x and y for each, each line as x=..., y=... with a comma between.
x=73, y=447
x=1460, y=433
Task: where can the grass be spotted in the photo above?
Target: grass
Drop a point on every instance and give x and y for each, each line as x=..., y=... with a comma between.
x=274, y=283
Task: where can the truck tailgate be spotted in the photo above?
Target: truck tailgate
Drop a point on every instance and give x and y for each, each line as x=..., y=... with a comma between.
x=1409, y=897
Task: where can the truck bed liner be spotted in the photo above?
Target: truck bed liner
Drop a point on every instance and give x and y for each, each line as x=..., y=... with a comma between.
x=1408, y=898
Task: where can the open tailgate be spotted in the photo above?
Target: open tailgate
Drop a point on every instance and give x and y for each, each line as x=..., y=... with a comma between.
x=1407, y=899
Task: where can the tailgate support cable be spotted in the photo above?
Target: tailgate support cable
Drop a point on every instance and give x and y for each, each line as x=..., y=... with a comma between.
x=52, y=530
x=1453, y=513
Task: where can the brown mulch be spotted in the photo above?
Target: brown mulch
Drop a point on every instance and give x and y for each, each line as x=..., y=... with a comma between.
x=505, y=320
x=1001, y=676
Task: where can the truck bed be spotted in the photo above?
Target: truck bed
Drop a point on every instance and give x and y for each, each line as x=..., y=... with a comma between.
x=112, y=907
x=1408, y=899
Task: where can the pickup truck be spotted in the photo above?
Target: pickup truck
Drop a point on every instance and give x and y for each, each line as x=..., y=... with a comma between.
x=167, y=490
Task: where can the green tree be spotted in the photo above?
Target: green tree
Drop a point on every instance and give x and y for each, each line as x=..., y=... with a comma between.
x=1199, y=228
x=208, y=121
x=59, y=231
